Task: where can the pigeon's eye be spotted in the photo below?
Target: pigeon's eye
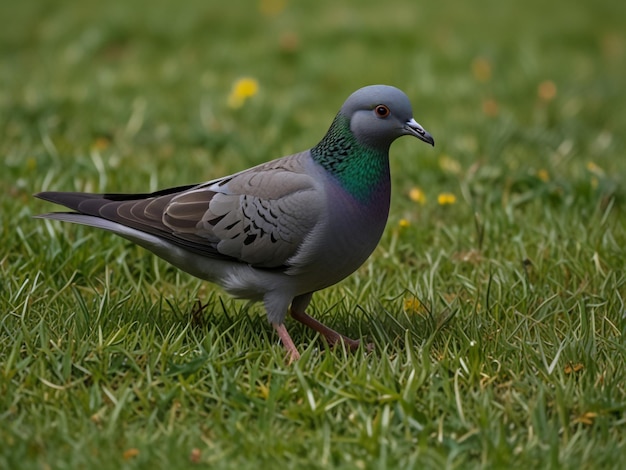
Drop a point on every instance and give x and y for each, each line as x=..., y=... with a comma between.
x=382, y=111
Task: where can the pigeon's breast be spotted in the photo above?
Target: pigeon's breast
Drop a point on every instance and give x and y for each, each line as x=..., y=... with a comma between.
x=357, y=226
x=346, y=236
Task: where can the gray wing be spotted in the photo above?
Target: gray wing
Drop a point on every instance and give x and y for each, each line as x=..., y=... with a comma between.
x=260, y=216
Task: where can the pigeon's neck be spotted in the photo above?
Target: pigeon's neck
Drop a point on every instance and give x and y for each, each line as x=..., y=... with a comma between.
x=361, y=170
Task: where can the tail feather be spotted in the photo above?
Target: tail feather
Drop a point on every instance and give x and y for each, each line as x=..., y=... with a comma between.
x=114, y=212
x=73, y=200
x=69, y=200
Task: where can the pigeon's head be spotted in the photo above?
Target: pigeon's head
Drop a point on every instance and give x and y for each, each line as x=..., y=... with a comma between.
x=379, y=114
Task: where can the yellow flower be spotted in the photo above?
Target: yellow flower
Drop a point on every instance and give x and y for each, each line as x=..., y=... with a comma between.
x=289, y=42
x=417, y=195
x=445, y=199
x=31, y=163
x=543, y=175
x=595, y=169
x=272, y=7
x=413, y=306
x=130, y=453
x=481, y=69
x=243, y=89
x=490, y=107
x=546, y=90
x=403, y=223
x=101, y=143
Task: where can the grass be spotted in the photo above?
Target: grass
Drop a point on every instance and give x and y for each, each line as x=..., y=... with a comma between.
x=499, y=319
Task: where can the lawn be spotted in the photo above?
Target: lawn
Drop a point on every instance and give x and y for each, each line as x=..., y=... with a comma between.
x=495, y=299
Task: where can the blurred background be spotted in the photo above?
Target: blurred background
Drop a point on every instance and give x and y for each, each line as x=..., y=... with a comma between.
x=139, y=95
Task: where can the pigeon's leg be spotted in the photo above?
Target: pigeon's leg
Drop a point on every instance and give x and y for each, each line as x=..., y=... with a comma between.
x=283, y=334
x=298, y=307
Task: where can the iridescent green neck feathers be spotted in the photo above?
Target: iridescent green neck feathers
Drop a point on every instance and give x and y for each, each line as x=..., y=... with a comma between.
x=361, y=170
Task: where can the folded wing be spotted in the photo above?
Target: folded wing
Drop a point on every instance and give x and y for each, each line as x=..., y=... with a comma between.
x=260, y=216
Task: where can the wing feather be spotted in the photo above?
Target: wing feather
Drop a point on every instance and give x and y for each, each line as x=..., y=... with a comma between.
x=260, y=216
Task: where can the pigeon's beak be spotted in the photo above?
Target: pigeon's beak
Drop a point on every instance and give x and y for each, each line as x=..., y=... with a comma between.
x=412, y=127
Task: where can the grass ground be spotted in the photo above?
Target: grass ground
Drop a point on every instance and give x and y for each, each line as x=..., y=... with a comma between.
x=495, y=299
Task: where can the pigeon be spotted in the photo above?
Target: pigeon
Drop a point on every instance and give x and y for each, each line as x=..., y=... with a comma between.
x=280, y=231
